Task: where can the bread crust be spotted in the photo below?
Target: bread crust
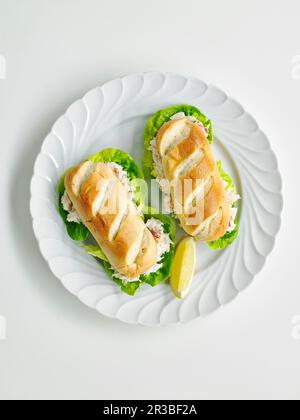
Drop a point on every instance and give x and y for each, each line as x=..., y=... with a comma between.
x=107, y=210
x=190, y=160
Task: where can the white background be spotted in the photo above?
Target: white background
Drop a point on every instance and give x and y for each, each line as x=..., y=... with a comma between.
x=56, y=51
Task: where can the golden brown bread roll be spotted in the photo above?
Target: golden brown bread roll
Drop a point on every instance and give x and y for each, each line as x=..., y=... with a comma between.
x=197, y=190
x=107, y=210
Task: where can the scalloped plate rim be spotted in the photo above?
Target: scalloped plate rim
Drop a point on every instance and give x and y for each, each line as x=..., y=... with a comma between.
x=259, y=130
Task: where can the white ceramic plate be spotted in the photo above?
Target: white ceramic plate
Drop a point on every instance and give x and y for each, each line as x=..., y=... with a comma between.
x=114, y=115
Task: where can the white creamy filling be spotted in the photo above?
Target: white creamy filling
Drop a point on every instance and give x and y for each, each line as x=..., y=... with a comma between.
x=232, y=199
x=122, y=176
x=163, y=243
x=73, y=216
x=163, y=240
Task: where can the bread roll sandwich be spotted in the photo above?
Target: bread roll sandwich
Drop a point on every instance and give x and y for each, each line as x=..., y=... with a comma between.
x=178, y=154
x=99, y=198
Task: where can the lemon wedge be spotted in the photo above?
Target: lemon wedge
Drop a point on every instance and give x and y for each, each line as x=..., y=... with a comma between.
x=183, y=267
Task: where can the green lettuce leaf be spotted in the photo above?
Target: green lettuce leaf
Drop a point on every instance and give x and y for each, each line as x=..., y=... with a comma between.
x=128, y=288
x=229, y=237
x=95, y=251
x=226, y=240
x=76, y=231
x=158, y=120
x=121, y=158
x=226, y=177
x=164, y=272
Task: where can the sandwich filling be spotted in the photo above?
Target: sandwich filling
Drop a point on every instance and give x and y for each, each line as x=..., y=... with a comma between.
x=73, y=216
x=232, y=199
x=231, y=195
